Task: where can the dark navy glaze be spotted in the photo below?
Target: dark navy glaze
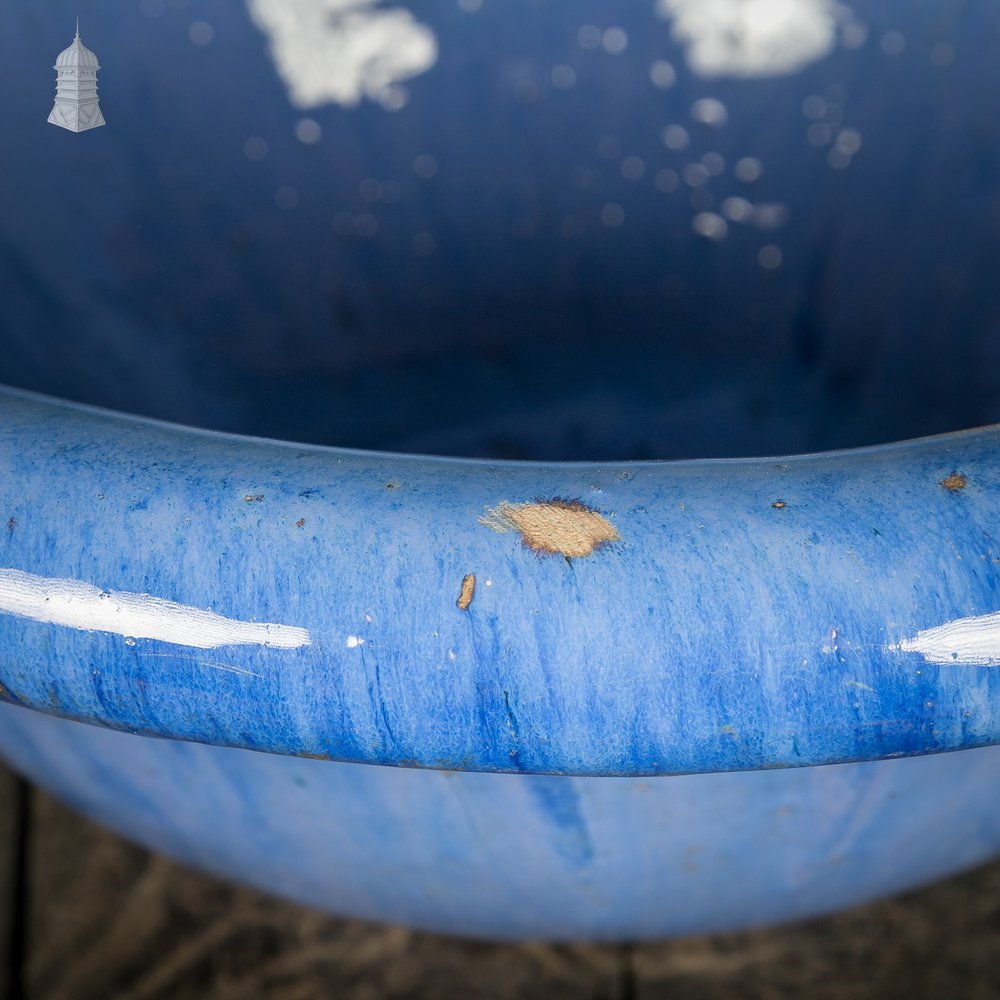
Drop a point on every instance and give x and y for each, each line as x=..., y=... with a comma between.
x=745, y=618
x=155, y=244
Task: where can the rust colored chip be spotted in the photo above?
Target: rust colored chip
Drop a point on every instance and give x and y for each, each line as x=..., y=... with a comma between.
x=956, y=481
x=467, y=592
x=561, y=527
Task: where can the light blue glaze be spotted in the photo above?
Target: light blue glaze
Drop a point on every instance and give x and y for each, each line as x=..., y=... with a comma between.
x=720, y=632
x=528, y=855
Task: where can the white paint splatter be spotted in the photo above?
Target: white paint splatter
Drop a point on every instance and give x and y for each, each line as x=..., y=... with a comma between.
x=969, y=641
x=748, y=38
x=353, y=641
x=136, y=616
x=343, y=50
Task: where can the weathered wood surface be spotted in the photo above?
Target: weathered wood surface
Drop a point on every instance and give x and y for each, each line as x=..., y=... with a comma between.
x=109, y=920
x=9, y=832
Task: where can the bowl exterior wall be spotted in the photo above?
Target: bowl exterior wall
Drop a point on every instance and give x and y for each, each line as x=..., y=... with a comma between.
x=516, y=856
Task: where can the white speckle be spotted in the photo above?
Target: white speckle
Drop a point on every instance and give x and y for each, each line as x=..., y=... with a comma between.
x=814, y=107
x=748, y=169
x=695, y=175
x=563, y=76
x=662, y=74
x=675, y=137
x=136, y=616
x=615, y=41
x=819, y=133
x=737, y=209
x=489, y=583
x=612, y=214
x=666, y=180
x=709, y=111
x=713, y=163
x=770, y=215
x=394, y=97
x=892, y=43
x=971, y=641
x=848, y=141
x=633, y=168
x=769, y=257
x=353, y=641
x=710, y=225
x=369, y=619
x=308, y=130
x=255, y=148
x=589, y=36
x=452, y=655
x=838, y=159
x=425, y=166
x=201, y=33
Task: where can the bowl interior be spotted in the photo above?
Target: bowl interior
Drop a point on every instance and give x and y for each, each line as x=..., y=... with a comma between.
x=560, y=230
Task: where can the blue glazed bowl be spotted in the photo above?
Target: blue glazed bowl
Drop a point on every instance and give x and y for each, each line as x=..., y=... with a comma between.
x=545, y=683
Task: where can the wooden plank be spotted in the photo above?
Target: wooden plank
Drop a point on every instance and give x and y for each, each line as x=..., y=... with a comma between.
x=110, y=919
x=10, y=816
x=941, y=941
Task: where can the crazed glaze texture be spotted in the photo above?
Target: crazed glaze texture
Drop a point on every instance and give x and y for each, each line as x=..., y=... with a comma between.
x=739, y=614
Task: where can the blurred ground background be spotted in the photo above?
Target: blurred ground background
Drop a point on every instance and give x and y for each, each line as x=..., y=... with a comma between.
x=84, y=914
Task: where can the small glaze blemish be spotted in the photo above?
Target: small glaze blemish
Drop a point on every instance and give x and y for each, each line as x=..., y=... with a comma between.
x=467, y=592
x=955, y=482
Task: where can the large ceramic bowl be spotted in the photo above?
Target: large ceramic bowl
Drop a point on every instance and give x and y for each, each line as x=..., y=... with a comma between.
x=550, y=683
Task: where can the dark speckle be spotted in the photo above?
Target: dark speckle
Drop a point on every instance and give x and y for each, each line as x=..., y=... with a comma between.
x=392, y=485
x=254, y=497
x=779, y=504
x=11, y=525
x=955, y=482
x=300, y=523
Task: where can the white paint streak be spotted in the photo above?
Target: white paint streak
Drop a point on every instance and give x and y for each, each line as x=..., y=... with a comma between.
x=754, y=38
x=968, y=641
x=344, y=50
x=137, y=616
